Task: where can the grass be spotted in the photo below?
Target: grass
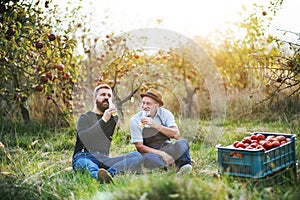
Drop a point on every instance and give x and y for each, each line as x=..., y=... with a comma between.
x=36, y=164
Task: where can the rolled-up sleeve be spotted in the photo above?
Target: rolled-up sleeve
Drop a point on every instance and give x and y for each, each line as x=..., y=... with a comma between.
x=135, y=130
x=167, y=118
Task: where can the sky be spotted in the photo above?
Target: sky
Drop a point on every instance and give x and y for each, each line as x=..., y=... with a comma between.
x=189, y=17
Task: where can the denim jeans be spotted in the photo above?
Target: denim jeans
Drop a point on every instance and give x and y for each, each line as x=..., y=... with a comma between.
x=114, y=165
x=179, y=150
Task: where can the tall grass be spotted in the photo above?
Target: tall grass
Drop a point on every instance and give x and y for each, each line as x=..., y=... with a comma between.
x=36, y=164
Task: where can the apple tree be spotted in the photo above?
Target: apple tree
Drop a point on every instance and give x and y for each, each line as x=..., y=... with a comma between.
x=37, y=57
x=256, y=61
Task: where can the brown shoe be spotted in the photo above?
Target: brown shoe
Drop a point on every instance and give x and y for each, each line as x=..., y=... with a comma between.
x=104, y=176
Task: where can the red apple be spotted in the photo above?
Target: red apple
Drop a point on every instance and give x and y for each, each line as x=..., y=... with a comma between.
x=49, y=75
x=235, y=143
x=60, y=67
x=249, y=148
x=275, y=143
x=262, y=142
x=39, y=68
x=260, y=147
x=44, y=79
x=51, y=37
x=268, y=145
x=39, y=45
x=240, y=145
x=290, y=64
x=165, y=56
x=260, y=136
x=254, y=144
x=280, y=138
x=279, y=79
x=136, y=56
x=39, y=88
x=246, y=140
x=10, y=31
x=67, y=76
x=254, y=137
x=283, y=142
x=270, y=138
x=254, y=141
x=246, y=144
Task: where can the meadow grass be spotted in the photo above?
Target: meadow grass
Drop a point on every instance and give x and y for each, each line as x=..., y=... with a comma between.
x=36, y=164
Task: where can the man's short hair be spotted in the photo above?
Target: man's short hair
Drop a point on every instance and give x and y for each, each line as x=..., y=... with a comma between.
x=101, y=86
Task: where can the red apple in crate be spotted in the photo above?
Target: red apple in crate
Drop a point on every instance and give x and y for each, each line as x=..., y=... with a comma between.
x=246, y=144
x=249, y=148
x=254, y=141
x=275, y=143
x=260, y=147
x=270, y=138
x=268, y=145
x=240, y=145
x=260, y=136
x=283, y=142
x=254, y=137
x=235, y=143
x=281, y=138
x=254, y=145
x=262, y=142
x=246, y=140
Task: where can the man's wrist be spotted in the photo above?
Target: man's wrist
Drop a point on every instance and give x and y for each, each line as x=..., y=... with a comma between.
x=160, y=127
x=103, y=120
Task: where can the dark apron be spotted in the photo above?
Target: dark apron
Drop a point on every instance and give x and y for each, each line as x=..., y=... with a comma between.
x=153, y=138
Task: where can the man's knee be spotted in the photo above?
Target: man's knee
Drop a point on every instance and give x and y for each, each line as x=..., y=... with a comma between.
x=137, y=156
x=150, y=156
x=152, y=160
x=182, y=144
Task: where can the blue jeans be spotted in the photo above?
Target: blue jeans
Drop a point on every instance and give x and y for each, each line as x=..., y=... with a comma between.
x=114, y=165
x=179, y=150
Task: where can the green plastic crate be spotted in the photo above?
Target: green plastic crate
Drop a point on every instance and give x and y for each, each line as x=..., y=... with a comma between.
x=256, y=163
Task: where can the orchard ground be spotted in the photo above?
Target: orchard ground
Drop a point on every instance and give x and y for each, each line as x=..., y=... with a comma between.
x=36, y=164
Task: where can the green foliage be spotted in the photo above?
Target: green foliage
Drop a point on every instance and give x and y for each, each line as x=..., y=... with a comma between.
x=32, y=47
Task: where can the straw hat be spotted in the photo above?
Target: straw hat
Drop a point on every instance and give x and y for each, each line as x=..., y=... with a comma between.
x=154, y=94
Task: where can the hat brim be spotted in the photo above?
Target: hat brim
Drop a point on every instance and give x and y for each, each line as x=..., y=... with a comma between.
x=161, y=103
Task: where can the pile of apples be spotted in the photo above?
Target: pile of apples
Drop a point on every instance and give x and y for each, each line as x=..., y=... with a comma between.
x=260, y=141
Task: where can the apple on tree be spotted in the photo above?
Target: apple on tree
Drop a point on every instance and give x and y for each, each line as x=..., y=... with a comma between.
x=60, y=67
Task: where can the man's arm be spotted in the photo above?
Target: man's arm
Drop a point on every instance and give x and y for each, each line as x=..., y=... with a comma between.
x=171, y=132
x=94, y=134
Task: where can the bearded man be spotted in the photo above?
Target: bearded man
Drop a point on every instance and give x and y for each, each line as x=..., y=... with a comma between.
x=95, y=131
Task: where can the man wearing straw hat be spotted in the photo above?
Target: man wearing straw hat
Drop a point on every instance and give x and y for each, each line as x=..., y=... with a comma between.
x=155, y=134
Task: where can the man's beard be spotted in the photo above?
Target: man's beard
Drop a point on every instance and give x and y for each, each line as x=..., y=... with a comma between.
x=101, y=106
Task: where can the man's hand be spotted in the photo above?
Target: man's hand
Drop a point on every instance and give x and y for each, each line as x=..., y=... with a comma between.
x=171, y=132
x=108, y=113
x=167, y=158
x=149, y=121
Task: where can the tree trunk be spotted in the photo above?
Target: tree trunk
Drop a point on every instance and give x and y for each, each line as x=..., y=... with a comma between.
x=25, y=113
